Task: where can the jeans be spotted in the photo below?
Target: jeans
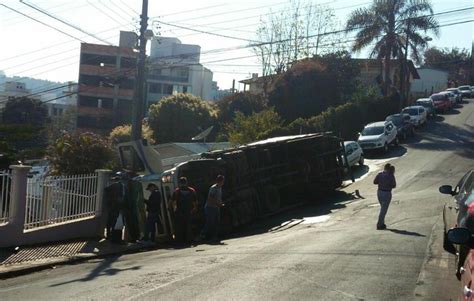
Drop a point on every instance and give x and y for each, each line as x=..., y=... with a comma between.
x=384, y=199
x=152, y=221
x=211, y=228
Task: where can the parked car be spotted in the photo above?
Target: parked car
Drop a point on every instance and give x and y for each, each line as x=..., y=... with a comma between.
x=418, y=115
x=465, y=91
x=354, y=153
x=428, y=104
x=464, y=238
x=458, y=211
x=404, y=127
x=441, y=102
x=452, y=98
x=378, y=136
x=458, y=94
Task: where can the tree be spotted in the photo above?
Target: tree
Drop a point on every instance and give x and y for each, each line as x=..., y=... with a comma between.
x=257, y=126
x=122, y=133
x=23, y=129
x=311, y=86
x=64, y=123
x=301, y=31
x=389, y=25
x=25, y=111
x=178, y=118
x=79, y=154
x=456, y=61
x=244, y=102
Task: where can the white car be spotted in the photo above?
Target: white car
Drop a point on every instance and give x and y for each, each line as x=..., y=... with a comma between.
x=378, y=135
x=418, y=114
x=354, y=153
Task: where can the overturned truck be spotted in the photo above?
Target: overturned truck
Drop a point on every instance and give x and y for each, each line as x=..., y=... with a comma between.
x=261, y=178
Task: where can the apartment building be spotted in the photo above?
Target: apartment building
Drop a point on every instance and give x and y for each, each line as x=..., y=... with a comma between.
x=106, y=84
x=175, y=67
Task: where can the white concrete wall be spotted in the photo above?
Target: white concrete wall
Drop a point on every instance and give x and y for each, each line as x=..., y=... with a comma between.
x=431, y=81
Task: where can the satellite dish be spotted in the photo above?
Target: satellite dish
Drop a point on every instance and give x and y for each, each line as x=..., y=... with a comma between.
x=203, y=135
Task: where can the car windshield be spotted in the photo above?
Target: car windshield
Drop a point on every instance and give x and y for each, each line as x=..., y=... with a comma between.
x=464, y=88
x=423, y=103
x=411, y=111
x=455, y=91
x=373, y=130
x=397, y=120
x=437, y=97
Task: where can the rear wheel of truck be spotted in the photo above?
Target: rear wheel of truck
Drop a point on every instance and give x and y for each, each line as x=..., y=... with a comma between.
x=271, y=198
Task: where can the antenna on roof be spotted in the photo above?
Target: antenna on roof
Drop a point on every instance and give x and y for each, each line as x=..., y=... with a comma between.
x=203, y=135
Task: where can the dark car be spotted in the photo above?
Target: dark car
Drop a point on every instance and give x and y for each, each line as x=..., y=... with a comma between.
x=458, y=211
x=428, y=104
x=457, y=93
x=404, y=127
x=441, y=102
x=465, y=91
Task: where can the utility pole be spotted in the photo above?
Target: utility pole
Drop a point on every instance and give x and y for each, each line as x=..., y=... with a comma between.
x=138, y=97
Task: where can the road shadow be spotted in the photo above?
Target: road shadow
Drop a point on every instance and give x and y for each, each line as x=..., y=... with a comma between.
x=102, y=269
x=447, y=137
x=405, y=232
x=452, y=112
x=287, y=219
x=357, y=172
x=437, y=118
x=394, y=152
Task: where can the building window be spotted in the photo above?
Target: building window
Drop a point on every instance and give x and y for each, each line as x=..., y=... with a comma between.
x=107, y=103
x=185, y=89
x=167, y=89
x=98, y=60
x=154, y=88
x=127, y=84
x=128, y=62
x=88, y=101
x=182, y=72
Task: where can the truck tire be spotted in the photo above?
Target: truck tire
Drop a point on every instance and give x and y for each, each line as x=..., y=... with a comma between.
x=270, y=197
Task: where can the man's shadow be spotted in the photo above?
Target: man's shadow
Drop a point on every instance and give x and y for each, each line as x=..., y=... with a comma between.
x=405, y=232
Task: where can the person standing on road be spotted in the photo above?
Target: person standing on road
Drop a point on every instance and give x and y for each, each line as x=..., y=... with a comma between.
x=386, y=182
x=212, y=209
x=153, y=208
x=184, y=202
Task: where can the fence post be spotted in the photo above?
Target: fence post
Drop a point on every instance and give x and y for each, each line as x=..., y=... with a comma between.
x=102, y=181
x=18, y=193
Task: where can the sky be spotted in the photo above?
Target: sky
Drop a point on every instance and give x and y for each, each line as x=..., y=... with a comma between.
x=32, y=49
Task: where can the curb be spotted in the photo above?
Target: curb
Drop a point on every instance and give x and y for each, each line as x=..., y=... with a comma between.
x=31, y=268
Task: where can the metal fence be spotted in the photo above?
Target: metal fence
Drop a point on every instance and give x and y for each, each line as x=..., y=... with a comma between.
x=5, y=187
x=53, y=200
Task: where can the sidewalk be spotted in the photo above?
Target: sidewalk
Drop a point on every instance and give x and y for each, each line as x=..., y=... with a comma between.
x=35, y=258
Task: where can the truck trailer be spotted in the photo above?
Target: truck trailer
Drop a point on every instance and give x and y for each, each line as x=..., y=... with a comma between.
x=261, y=177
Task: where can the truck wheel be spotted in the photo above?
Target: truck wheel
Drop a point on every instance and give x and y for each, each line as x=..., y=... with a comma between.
x=271, y=198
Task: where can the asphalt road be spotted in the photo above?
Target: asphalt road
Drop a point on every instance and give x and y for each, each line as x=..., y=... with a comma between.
x=329, y=251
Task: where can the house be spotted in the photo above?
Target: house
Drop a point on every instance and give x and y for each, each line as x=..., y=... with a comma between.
x=257, y=84
x=431, y=81
x=371, y=74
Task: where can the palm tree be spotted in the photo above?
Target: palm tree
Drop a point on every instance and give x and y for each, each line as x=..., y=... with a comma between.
x=392, y=27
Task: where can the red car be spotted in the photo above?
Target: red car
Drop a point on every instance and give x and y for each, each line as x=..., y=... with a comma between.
x=464, y=238
x=441, y=102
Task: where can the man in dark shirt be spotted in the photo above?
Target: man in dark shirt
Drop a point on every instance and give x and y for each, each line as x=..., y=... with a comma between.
x=153, y=208
x=386, y=182
x=184, y=203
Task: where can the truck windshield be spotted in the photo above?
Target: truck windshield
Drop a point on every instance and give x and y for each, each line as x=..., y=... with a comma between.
x=412, y=112
x=373, y=130
x=130, y=159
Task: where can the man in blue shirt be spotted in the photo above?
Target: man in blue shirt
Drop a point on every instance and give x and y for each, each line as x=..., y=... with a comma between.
x=386, y=182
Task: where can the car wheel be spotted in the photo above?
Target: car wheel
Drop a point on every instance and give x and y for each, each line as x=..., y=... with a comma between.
x=361, y=161
x=385, y=148
x=448, y=246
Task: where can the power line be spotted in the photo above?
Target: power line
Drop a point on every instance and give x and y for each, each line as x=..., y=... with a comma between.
x=37, y=8
x=103, y=12
x=124, y=11
x=206, y=32
x=113, y=11
x=41, y=22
